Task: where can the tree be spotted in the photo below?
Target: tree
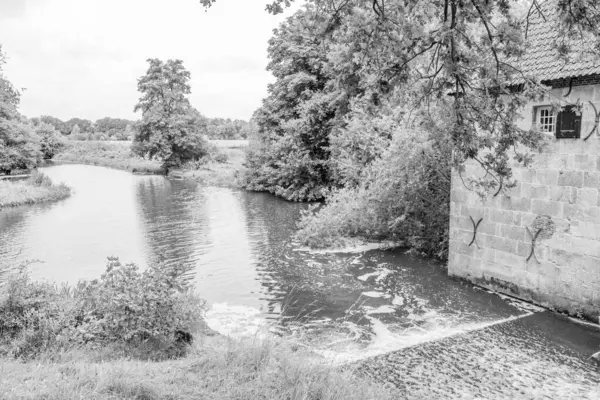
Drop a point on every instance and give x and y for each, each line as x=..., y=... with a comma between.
x=58, y=124
x=291, y=155
x=462, y=56
x=19, y=146
x=108, y=124
x=170, y=129
x=50, y=139
x=85, y=125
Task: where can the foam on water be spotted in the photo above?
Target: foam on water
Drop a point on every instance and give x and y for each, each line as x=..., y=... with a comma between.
x=236, y=321
x=385, y=340
x=386, y=309
x=358, y=248
x=375, y=294
x=379, y=275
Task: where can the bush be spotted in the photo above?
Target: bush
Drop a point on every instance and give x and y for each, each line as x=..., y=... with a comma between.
x=125, y=306
x=51, y=140
x=38, y=178
x=403, y=195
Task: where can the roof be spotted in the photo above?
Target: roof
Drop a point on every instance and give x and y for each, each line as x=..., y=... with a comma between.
x=541, y=59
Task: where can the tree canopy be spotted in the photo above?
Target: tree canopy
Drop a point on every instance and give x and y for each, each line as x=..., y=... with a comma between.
x=19, y=146
x=171, y=130
x=458, y=56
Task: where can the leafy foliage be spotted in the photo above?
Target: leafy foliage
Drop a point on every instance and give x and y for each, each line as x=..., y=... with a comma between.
x=109, y=125
x=403, y=195
x=170, y=129
x=50, y=140
x=461, y=55
x=125, y=305
x=291, y=155
x=84, y=125
x=57, y=123
x=19, y=146
x=227, y=129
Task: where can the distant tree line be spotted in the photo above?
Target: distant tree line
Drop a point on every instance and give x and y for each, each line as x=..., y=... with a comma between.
x=108, y=128
x=227, y=129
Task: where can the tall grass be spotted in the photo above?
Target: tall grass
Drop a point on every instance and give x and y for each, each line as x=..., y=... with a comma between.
x=218, y=368
x=36, y=189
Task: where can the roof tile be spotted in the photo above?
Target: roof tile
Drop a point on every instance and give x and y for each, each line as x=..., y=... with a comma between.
x=541, y=59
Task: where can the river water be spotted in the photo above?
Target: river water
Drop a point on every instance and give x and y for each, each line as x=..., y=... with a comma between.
x=405, y=315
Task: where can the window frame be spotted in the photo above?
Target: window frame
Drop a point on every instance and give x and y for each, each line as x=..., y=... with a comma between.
x=552, y=116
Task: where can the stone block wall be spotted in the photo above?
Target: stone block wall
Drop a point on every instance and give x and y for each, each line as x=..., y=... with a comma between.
x=554, y=210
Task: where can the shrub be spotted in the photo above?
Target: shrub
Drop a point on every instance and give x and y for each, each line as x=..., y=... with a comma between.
x=128, y=304
x=125, y=306
x=38, y=178
x=51, y=140
x=404, y=195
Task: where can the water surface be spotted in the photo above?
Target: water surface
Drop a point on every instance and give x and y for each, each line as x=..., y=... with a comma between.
x=346, y=306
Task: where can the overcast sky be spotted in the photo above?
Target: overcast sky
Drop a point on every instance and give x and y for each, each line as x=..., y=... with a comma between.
x=82, y=58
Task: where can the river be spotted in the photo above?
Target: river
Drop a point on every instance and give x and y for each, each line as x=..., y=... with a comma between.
x=379, y=305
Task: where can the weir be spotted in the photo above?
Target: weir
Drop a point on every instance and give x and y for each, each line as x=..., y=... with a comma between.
x=381, y=309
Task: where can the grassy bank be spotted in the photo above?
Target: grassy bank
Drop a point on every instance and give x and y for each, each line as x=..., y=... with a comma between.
x=215, y=173
x=218, y=368
x=116, y=338
x=106, y=154
x=220, y=169
x=37, y=188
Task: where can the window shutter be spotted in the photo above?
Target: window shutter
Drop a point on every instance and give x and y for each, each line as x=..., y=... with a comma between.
x=568, y=123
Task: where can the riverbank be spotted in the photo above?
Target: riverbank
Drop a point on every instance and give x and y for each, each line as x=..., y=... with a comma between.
x=38, y=188
x=220, y=170
x=217, y=368
x=125, y=347
x=106, y=154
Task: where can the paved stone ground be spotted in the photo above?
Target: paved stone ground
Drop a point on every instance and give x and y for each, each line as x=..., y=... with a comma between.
x=542, y=356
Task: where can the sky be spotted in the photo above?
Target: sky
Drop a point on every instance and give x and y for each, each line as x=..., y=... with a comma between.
x=82, y=58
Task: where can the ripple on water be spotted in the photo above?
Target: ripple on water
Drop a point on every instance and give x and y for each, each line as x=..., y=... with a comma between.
x=346, y=306
x=513, y=360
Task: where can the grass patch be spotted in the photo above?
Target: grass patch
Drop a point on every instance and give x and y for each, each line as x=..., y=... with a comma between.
x=37, y=188
x=216, y=368
x=220, y=168
x=107, y=154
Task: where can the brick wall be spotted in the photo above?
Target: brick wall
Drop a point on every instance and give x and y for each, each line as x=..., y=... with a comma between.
x=557, y=197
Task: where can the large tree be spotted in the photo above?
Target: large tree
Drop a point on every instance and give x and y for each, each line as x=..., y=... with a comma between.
x=171, y=130
x=461, y=55
x=291, y=155
x=19, y=146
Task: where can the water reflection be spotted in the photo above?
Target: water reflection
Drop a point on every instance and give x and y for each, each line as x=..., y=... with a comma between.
x=248, y=267
x=73, y=237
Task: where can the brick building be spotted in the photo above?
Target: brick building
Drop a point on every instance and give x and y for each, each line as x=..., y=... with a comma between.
x=542, y=242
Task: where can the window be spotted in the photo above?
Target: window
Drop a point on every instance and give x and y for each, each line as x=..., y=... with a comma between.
x=566, y=124
x=546, y=119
